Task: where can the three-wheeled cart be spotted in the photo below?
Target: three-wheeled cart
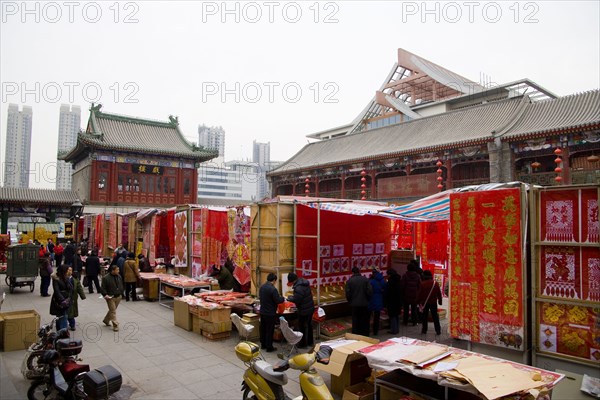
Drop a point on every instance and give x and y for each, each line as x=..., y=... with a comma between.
x=22, y=266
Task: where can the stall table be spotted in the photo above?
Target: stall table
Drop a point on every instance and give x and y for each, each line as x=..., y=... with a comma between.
x=399, y=358
x=178, y=286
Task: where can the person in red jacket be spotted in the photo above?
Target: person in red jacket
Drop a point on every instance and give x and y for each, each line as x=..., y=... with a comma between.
x=430, y=295
x=58, y=254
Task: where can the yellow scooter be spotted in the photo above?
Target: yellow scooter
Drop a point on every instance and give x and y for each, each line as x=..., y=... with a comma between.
x=266, y=381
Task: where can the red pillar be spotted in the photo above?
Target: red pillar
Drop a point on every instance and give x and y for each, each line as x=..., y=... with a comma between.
x=373, y=192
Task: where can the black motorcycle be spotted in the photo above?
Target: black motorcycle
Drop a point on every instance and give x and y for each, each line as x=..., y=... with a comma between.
x=30, y=368
x=65, y=378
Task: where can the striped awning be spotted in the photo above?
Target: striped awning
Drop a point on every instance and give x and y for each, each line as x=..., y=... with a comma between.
x=349, y=208
x=437, y=207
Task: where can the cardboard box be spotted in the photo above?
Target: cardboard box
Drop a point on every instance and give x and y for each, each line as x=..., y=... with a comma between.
x=215, y=327
x=360, y=391
x=388, y=393
x=347, y=367
x=18, y=329
x=181, y=315
x=196, y=325
x=216, y=336
x=254, y=320
x=212, y=315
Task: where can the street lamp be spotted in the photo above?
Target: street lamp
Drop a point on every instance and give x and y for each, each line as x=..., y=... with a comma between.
x=35, y=218
x=76, y=213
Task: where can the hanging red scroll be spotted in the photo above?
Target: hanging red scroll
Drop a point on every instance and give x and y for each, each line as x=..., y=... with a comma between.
x=486, y=274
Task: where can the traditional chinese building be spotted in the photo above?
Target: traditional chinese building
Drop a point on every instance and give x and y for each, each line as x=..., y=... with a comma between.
x=125, y=163
x=429, y=129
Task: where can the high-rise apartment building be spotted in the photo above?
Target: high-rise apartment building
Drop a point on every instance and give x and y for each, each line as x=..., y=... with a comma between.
x=212, y=138
x=18, y=146
x=261, y=156
x=69, y=125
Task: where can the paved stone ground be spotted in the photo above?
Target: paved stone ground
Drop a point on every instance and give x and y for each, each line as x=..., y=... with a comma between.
x=157, y=359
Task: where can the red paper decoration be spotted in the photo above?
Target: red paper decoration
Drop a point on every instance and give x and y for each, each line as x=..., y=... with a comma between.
x=306, y=187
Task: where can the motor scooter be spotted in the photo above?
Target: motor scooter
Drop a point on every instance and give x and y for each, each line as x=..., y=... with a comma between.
x=65, y=378
x=263, y=381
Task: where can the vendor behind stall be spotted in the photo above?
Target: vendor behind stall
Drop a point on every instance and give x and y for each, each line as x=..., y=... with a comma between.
x=223, y=276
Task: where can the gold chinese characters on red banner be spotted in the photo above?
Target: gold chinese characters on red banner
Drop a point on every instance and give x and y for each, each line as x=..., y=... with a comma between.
x=487, y=271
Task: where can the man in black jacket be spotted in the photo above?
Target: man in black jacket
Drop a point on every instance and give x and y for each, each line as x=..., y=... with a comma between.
x=358, y=294
x=305, y=305
x=269, y=299
x=112, y=289
x=92, y=270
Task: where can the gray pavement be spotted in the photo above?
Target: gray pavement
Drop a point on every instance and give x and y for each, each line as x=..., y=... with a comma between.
x=157, y=359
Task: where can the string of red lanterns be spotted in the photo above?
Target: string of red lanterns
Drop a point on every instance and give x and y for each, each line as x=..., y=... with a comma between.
x=363, y=186
x=306, y=187
x=439, y=173
x=558, y=168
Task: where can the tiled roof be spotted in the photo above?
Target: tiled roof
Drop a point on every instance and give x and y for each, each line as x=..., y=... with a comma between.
x=121, y=133
x=37, y=196
x=452, y=129
x=568, y=112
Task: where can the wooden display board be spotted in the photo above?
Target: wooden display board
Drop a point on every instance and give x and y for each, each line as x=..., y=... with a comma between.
x=566, y=256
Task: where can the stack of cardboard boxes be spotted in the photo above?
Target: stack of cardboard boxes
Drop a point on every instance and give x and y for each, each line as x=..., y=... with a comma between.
x=212, y=323
x=254, y=320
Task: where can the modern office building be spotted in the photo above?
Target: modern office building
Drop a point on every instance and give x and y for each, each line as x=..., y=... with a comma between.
x=261, y=156
x=69, y=125
x=212, y=138
x=18, y=146
x=230, y=184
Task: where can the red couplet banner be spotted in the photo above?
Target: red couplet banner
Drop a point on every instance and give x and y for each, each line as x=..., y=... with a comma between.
x=486, y=273
x=346, y=241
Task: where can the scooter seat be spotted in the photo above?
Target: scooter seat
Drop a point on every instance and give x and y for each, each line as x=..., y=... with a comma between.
x=265, y=370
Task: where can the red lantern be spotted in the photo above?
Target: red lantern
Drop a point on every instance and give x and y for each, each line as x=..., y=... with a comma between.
x=558, y=170
x=440, y=179
x=439, y=171
x=558, y=151
x=440, y=186
x=439, y=163
x=558, y=160
x=558, y=179
x=535, y=165
x=363, y=172
x=593, y=158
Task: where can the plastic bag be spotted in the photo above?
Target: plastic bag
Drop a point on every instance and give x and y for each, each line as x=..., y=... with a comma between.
x=319, y=315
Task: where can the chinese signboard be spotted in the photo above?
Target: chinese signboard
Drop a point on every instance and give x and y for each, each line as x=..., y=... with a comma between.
x=486, y=304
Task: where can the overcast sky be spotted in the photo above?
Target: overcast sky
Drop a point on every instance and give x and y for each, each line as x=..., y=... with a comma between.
x=270, y=71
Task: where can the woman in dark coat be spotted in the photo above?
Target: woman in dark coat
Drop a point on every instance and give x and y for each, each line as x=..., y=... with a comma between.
x=376, y=302
x=411, y=281
x=62, y=296
x=430, y=296
x=74, y=309
x=392, y=298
